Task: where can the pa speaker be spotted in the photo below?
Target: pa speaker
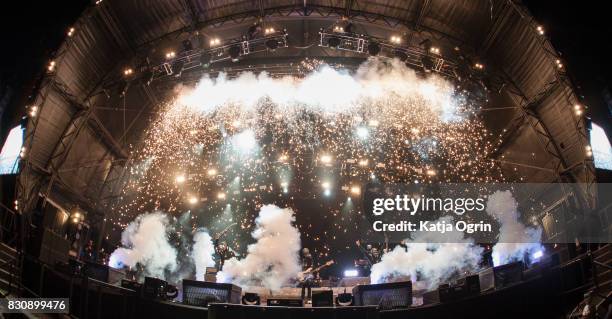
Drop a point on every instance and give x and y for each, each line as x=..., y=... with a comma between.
x=250, y=298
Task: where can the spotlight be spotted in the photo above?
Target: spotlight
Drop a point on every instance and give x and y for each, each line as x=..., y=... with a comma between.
x=212, y=172
x=128, y=71
x=401, y=55
x=396, y=39
x=214, y=42
x=51, y=66
x=589, y=150
x=355, y=190
x=540, y=30
x=373, y=49
x=205, y=59
x=71, y=32
x=338, y=29
x=170, y=55
x=479, y=66
x=351, y=273
x=362, y=132
x=234, y=52
x=326, y=185
x=326, y=159
x=33, y=110
x=333, y=42
x=180, y=179
x=221, y=196
x=269, y=31
x=434, y=50
x=537, y=255
x=272, y=44
x=193, y=200
x=578, y=109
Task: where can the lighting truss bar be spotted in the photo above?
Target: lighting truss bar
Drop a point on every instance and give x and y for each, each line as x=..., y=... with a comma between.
x=192, y=59
x=358, y=44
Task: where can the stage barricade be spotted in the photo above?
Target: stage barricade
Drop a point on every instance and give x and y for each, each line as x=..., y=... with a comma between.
x=231, y=311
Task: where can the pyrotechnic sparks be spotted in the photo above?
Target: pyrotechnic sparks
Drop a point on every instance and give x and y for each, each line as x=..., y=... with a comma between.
x=304, y=142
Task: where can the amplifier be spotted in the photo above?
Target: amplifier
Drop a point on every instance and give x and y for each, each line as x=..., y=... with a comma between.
x=285, y=302
x=132, y=285
x=201, y=293
x=388, y=295
x=501, y=276
x=322, y=298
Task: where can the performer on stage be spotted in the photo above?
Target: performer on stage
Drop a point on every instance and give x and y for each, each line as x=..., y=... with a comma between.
x=371, y=256
x=222, y=251
x=308, y=281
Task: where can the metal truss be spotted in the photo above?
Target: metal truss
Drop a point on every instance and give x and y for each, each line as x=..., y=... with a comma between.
x=411, y=55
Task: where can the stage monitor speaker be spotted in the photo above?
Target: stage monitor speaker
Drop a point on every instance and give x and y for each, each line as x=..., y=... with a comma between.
x=201, y=293
x=251, y=298
x=154, y=288
x=388, y=295
x=285, y=302
x=506, y=275
x=103, y=273
x=431, y=297
x=322, y=298
x=471, y=285
x=344, y=299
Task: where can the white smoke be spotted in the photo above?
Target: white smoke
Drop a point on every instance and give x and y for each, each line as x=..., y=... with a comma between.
x=273, y=259
x=203, y=251
x=374, y=80
x=145, y=242
x=433, y=263
x=515, y=239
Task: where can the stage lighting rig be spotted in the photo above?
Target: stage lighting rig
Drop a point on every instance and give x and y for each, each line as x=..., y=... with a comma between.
x=427, y=56
x=219, y=50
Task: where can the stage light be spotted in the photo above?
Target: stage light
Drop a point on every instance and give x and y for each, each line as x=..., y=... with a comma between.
x=333, y=42
x=180, y=179
x=559, y=64
x=338, y=29
x=396, y=39
x=221, y=195
x=269, y=31
x=431, y=172
x=214, y=42
x=22, y=153
x=234, y=52
x=212, y=172
x=537, y=255
x=478, y=66
x=327, y=192
x=128, y=71
x=374, y=49
x=540, y=30
x=373, y=123
x=272, y=44
x=362, y=132
x=193, y=200
x=71, y=32
x=577, y=109
x=283, y=158
x=363, y=163
x=589, y=150
x=326, y=159
x=326, y=185
x=351, y=273
x=98, y=2
x=33, y=111
x=401, y=55
x=51, y=66
x=434, y=50
x=170, y=54
x=355, y=190
x=245, y=141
